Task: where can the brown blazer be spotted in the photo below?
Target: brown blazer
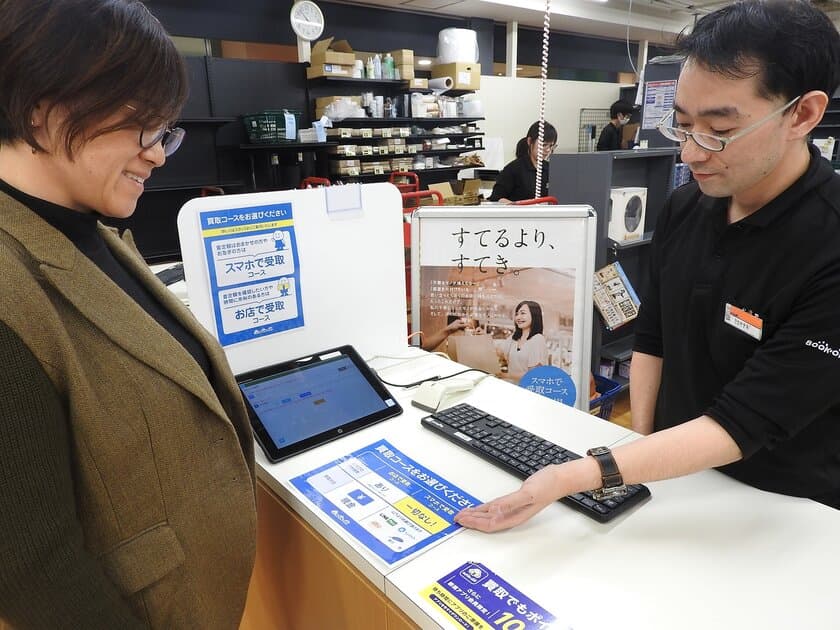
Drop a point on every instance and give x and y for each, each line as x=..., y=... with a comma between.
x=163, y=459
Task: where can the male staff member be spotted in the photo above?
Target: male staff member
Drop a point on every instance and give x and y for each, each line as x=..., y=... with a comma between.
x=740, y=331
x=610, y=138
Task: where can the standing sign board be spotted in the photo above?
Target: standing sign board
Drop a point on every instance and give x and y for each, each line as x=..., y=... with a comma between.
x=286, y=273
x=508, y=290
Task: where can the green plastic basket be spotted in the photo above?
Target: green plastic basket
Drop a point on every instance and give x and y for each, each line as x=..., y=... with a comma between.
x=270, y=126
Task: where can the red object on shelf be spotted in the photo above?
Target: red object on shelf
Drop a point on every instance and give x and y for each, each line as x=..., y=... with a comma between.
x=411, y=201
x=314, y=182
x=531, y=202
x=409, y=198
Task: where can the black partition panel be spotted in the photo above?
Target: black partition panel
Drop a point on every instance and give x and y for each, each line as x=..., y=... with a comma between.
x=198, y=101
x=240, y=86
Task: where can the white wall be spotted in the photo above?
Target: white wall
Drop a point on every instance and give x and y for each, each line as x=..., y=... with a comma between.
x=511, y=105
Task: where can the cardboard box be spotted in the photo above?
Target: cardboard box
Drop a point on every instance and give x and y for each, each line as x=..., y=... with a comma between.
x=326, y=51
x=345, y=167
x=406, y=72
x=466, y=76
x=459, y=192
x=418, y=84
x=329, y=70
x=376, y=168
x=321, y=103
x=344, y=149
x=403, y=57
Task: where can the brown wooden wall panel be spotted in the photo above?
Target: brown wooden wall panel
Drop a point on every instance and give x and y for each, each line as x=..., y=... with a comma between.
x=301, y=582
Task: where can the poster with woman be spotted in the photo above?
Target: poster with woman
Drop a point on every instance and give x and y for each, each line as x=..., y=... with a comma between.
x=506, y=293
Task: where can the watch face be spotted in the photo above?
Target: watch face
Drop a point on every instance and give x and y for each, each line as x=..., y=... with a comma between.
x=307, y=20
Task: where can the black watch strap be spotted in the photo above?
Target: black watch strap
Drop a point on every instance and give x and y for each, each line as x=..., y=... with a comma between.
x=612, y=483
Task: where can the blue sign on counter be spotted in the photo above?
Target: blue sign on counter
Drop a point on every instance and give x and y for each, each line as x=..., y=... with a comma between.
x=386, y=500
x=474, y=597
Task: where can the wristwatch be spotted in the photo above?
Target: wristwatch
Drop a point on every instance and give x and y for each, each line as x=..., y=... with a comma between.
x=612, y=484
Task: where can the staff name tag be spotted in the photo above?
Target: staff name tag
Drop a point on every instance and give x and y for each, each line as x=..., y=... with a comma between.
x=742, y=320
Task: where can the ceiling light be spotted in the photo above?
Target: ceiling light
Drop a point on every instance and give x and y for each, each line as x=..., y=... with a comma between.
x=424, y=62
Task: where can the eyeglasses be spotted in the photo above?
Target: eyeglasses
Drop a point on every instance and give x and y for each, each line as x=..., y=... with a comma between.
x=711, y=142
x=169, y=137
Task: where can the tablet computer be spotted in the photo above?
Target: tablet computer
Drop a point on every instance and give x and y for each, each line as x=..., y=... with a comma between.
x=303, y=403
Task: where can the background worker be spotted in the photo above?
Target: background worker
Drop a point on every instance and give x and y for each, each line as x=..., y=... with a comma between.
x=610, y=138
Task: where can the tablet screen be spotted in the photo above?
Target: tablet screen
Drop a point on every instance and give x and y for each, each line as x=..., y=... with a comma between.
x=300, y=404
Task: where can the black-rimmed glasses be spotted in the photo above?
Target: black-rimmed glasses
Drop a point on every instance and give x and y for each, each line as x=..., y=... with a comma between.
x=708, y=141
x=169, y=137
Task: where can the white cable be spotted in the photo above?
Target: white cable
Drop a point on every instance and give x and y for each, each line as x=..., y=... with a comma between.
x=543, y=78
x=627, y=38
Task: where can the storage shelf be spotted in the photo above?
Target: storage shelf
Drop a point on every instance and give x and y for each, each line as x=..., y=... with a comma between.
x=397, y=121
x=289, y=146
x=400, y=155
x=358, y=81
x=619, y=350
x=193, y=185
x=645, y=239
x=647, y=153
x=222, y=120
x=401, y=84
x=388, y=173
x=422, y=137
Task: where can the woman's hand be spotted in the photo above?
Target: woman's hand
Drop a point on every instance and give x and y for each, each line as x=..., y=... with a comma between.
x=539, y=490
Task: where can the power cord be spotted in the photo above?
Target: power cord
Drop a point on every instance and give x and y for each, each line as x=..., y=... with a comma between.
x=429, y=379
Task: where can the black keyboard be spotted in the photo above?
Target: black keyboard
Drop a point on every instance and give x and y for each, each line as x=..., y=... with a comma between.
x=172, y=274
x=522, y=453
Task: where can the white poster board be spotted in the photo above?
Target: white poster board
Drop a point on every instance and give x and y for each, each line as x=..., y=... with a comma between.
x=476, y=268
x=286, y=273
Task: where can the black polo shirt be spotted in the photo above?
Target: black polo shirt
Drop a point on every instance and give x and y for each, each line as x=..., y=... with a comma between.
x=518, y=180
x=777, y=396
x=610, y=138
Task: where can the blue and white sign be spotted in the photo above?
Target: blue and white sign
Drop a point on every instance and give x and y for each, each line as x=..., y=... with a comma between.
x=474, y=597
x=386, y=500
x=252, y=259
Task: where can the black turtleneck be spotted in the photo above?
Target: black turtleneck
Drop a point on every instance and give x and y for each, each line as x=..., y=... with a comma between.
x=81, y=229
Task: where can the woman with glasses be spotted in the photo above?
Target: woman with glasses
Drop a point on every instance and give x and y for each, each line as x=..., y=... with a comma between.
x=518, y=180
x=126, y=459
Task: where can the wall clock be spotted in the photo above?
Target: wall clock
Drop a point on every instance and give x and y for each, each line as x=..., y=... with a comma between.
x=307, y=20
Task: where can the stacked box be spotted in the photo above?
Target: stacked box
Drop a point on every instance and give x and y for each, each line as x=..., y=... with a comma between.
x=345, y=167
x=344, y=149
x=375, y=168
x=405, y=72
x=403, y=57
x=401, y=164
x=465, y=76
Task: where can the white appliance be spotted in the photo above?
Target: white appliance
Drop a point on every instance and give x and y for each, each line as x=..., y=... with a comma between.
x=626, y=215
